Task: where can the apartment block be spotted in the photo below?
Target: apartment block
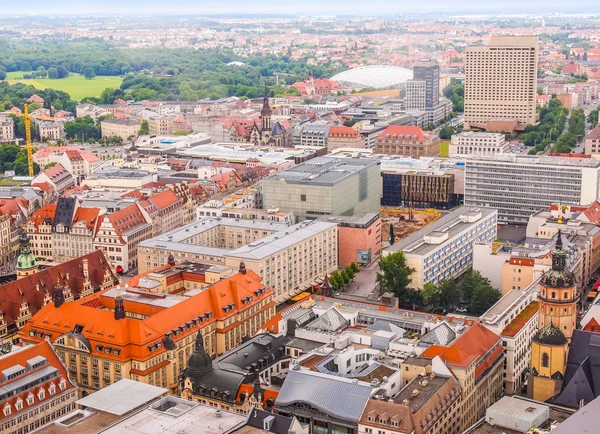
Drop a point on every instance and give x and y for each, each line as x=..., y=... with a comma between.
x=325, y=186
x=36, y=389
x=7, y=129
x=592, y=142
x=407, y=141
x=521, y=185
x=471, y=142
x=289, y=258
x=126, y=129
x=501, y=81
x=444, y=248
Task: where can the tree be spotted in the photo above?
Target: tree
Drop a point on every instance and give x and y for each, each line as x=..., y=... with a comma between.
x=540, y=90
x=346, y=276
x=2, y=73
x=82, y=129
x=477, y=292
x=483, y=298
x=585, y=56
x=349, y=122
x=443, y=297
x=392, y=236
x=62, y=72
x=26, y=67
x=144, y=128
x=49, y=165
x=89, y=73
x=41, y=71
x=446, y=132
x=394, y=274
x=335, y=279
x=355, y=268
x=53, y=73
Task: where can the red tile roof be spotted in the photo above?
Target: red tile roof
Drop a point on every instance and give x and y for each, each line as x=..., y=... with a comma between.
x=21, y=357
x=592, y=213
x=74, y=155
x=33, y=289
x=404, y=130
x=89, y=216
x=335, y=132
x=164, y=199
x=127, y=219
x=474, y=345
x=40, y=215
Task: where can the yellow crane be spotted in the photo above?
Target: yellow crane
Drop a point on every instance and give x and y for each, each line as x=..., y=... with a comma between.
x=28, y=142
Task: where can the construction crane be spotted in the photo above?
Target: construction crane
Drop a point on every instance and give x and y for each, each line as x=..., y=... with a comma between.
x=277, y=74
x=28, y=141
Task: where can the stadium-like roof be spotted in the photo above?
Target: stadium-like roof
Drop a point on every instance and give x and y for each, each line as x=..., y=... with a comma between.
x=373, y=76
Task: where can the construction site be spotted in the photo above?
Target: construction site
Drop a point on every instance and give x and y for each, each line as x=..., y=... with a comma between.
x=405, y=221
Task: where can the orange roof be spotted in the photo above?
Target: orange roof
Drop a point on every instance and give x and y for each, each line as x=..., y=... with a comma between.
x=133, y=193
x=21, y=357
x=592, y=326
x=87, y=215
x=44, y=186
x=127, y=219
x=133, y=337
x=74, y=155
x=40, y=215
x=164, y=199
x=404, y=130
x=472, y=346
x=521, y=319
x=342, y=132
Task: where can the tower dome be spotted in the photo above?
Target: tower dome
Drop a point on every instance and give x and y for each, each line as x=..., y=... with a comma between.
x=199, y=363
x=26, y=262
x=550, y=335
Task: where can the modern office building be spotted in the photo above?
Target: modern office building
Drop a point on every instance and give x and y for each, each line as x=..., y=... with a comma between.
x=428, y=71
x=444, y=249
x=433, y=189
x=471, y=142
x=501, y=81
x=289, y=258
x=325, y=186
x=521, y=185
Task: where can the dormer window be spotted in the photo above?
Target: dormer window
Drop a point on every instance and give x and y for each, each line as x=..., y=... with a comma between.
x=7, y=409
x=62, y=384
x=52, y=389
x=19, y=404
x=41, y=394
x=30, y=399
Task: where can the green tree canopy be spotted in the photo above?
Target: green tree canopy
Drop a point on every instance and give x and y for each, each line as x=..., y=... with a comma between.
x=394, y=274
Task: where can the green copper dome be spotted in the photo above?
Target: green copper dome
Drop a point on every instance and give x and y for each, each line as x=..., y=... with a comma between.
x=26, y=260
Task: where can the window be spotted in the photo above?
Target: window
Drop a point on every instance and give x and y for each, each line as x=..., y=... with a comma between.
x=7, y=410
x=545, y=360
x=303, y=198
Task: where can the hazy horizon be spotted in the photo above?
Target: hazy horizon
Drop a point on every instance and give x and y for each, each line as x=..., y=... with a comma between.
x=306, y=7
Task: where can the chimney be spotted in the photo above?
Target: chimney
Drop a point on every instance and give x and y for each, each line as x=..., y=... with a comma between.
x=119, y=308
x=58, y=297
x=242, y=267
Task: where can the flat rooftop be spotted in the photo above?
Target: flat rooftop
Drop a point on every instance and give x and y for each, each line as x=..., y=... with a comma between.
x=451, y=224
x=323, y=171
x=360, y=219
x=534, y=160
x=282, y=236
x=425, y=392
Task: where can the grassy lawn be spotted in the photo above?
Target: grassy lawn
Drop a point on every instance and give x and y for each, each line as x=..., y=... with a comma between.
x=75, y=85
x=444, y=148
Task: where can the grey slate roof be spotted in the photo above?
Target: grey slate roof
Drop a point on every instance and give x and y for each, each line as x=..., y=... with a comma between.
x=584, y=421
x=341, y=398
x=582, y=377
x=280, y=425
x=441, y=335
x=331, y=321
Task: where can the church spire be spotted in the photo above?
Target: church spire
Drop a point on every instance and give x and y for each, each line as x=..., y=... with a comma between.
x=266, y=113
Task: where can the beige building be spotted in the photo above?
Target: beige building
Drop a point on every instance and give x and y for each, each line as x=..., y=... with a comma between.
x=123, y=128
x=50, y=130
x=160, y=126
x=501, y=81
x=592, y=142
x=471, y=142
x=289, y=258
x=7, y=129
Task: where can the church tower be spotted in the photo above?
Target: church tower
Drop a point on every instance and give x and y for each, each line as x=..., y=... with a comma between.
x=266, y=114
x=26, y=263
x=558, y=295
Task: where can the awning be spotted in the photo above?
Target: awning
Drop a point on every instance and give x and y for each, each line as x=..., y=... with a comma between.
x=300, y=296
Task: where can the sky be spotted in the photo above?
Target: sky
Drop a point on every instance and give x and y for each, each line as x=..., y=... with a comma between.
x=304, y=7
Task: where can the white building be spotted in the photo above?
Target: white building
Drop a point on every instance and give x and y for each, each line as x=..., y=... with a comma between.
x=515, y=319
x=471, y=142
x=521, y=185
x=444, y=249
x=7, y=129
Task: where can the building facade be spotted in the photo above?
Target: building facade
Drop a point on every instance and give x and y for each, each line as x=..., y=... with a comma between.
x=36, y=389
x=519, y=186
x=501, y=80
x=444, y=248
x=325, y=186
x=146, y=331
x=423, y=189
x=288, y=258
x=407, y=141
x=471, y=142
x=7, y=129
x=126, y=129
